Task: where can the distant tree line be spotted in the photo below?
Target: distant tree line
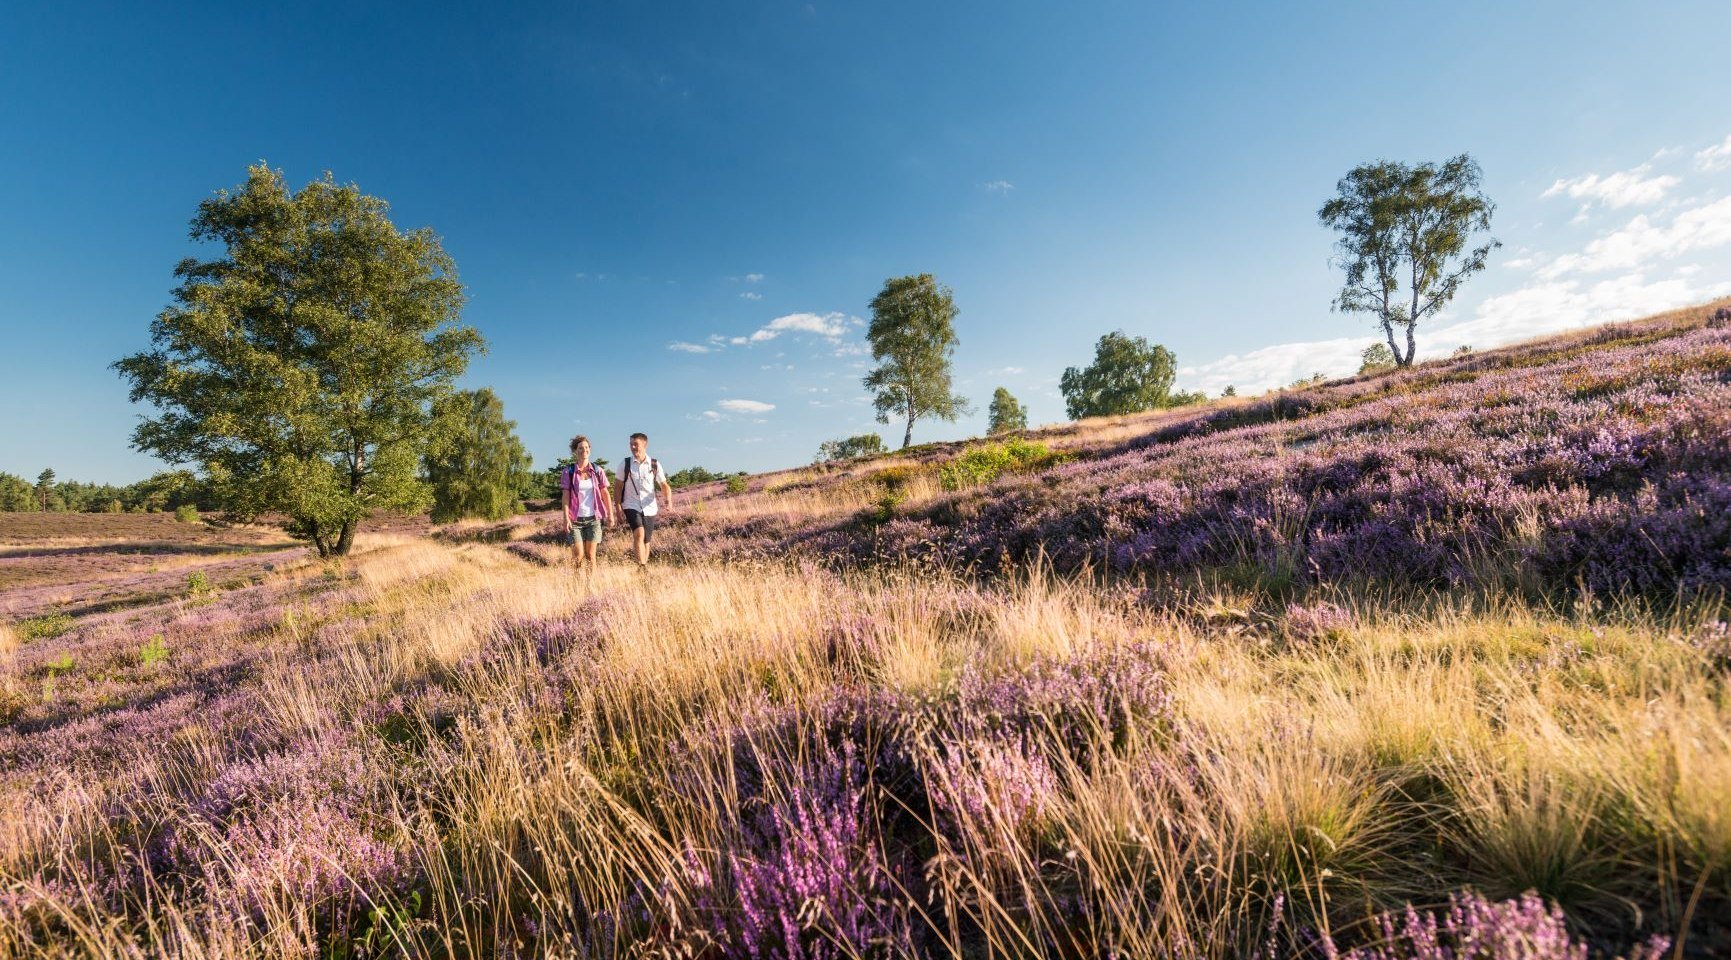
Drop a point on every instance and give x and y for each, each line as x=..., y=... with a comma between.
x=169, y=490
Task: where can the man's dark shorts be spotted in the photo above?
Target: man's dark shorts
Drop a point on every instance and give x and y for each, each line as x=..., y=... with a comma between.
x=637, y=521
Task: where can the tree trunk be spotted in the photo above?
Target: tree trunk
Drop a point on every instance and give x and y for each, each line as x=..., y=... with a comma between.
x=346, y=539
x=320, y=542
x=908, y=438
x=1411, y=348
x=1393, y=346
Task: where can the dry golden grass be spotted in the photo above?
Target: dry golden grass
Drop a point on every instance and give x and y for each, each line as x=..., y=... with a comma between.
x=1582, y=758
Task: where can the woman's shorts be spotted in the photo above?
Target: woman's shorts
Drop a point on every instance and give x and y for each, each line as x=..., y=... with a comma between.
x=588, y=530
x=635, y=520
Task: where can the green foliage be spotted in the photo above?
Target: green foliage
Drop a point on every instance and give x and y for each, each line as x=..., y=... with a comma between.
x=16, y=494
x=45, y=627
x=1006, y=413
x=736, y=484
x=982, y=464
x=847, y=448
x=1128, y=375
x=299, y=368
x=1230, y=391
x=186, y=513
x=1186, y=398
x=476, y=465
x=154, y=651
x=47, y=494
x=691, y=476
x=913, y=335
x=199, y=589
x=1403, y=237
x=1376, y=358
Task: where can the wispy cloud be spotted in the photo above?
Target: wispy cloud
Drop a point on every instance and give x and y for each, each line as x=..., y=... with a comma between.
x=830, y=325
x=1625, y=188
x=745, y=406
x=1714, y=158
x=1005, y=371
x=997, y=186
x=751, y=295
x=1641, y=242
x=682, y=347
x=754, y=278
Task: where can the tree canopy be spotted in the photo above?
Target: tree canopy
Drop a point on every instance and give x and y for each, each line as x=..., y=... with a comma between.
x=913, y=335
x=1403, y=241
x=1128, y=375
x=1006, y=413
x=298, y=369
x=476, y=465
x=1375, y=359
x=846, y=448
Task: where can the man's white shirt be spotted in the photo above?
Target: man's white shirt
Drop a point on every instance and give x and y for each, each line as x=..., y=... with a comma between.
x=639, y=478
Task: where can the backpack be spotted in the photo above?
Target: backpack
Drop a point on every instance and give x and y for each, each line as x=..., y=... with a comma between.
x=654, y=472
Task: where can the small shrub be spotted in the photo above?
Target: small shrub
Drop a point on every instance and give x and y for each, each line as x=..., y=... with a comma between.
x=154, y=651
x=45, y=627
x=736, y=484
x=199, y=588
x=982, y=464
x=1720, y=320
x=186, y=513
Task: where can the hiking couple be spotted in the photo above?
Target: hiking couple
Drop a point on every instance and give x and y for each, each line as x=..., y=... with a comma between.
x=588, y=502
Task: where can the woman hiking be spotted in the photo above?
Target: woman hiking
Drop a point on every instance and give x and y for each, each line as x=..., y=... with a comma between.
x=587, y=507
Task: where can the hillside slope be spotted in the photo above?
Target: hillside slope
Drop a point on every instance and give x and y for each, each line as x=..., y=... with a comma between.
x=1600, y=459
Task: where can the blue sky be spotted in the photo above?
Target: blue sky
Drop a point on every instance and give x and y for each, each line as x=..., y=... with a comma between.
x=671, y=217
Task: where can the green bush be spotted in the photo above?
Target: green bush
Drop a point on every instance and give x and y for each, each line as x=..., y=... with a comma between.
x=45, y=627
x=736, y=483
x=982, y=464
x=186, y=513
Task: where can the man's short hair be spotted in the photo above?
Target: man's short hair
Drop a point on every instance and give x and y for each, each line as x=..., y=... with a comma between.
x=578, y=439
x=640, y=436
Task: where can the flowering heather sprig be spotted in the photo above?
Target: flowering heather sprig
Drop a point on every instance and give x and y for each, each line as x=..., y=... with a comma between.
x=1075, y=704
x=811, y=881
x=1713, y=639
x=1473, y=928
x=1316, y=622
x=1005, y=783
x=297, y=825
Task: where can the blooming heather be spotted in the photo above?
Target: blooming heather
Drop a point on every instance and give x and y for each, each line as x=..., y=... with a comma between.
x=1473, y=928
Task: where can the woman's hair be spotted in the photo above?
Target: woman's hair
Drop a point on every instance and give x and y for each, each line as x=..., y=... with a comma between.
x=576, y=440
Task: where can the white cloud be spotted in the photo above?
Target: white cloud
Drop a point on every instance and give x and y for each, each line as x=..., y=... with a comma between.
x=1543, y=308
x=1715, y=158
x=1625, y=188
x=1275, y=366
x=754, y=278
x=745, y=406
x=683, y=347
x=830, y=325
x=711, y=416
x=1531, y=311
x=998, y=186
x=738, y=341
x=751, y=295
x=1640, y=242
x=1005, y=371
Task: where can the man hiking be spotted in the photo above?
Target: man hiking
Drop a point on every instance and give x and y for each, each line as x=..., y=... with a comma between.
x=587, y=505
x=640, y=476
